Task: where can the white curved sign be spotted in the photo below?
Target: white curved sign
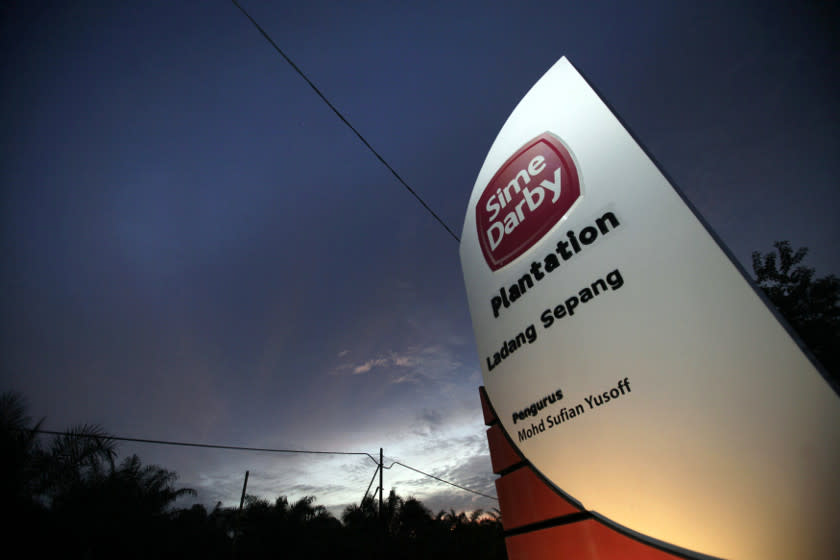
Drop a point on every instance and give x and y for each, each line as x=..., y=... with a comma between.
x=627, y=357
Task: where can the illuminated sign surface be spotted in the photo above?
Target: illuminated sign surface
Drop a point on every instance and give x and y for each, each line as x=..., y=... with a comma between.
x=625, y=354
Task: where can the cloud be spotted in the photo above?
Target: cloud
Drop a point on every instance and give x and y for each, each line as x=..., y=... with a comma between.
x=364, y=368
x=402, y=361
x=392, y=359
x=471, y=472
x=433, y=417
x=452, y=446
x=315, y=490
x=369, y=365
x=428, y=362
x=428, y=422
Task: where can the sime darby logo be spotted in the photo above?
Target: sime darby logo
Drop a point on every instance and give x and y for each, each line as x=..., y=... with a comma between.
x=531, y=192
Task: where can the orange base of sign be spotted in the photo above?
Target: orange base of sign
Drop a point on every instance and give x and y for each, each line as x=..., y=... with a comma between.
x=539, y=523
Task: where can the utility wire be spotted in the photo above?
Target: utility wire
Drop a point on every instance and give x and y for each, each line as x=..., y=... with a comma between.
x=344, y=120
x=444, y=481
x=206, y=445
x=371, y=482
x=258, y=449
x=267, y=450
x=338, y=113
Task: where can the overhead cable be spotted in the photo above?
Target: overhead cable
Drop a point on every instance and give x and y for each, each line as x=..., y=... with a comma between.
x=206, y=445
x=345, y=121
x=371, y=482
x=445, y=481
x=259, y=449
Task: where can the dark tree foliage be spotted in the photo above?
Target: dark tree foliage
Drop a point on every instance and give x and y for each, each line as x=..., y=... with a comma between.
x=811, y=305
x=19, y=451
x=71, y=500
x=408, y=531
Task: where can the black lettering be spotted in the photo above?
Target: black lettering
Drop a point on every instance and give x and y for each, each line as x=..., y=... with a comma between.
x=588, y=235
x=496, y=304
x=551, y=262
x=574, y=241
x=599, y=282
x=615, y=280
x=546, y=318
x=602, y=222
x=504, y=297
x=525, y=282
x=566, y=248
x=531, y=333
x=563, y=249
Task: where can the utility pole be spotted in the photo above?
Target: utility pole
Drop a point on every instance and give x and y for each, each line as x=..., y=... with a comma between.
x=381, y=510
x=238, y=519
x=244, y=486
x=381, y=488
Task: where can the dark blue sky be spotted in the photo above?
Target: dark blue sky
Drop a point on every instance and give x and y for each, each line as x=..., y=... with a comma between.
x=195, y=248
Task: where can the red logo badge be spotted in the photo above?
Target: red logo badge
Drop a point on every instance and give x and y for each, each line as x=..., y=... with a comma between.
x=525, y=199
